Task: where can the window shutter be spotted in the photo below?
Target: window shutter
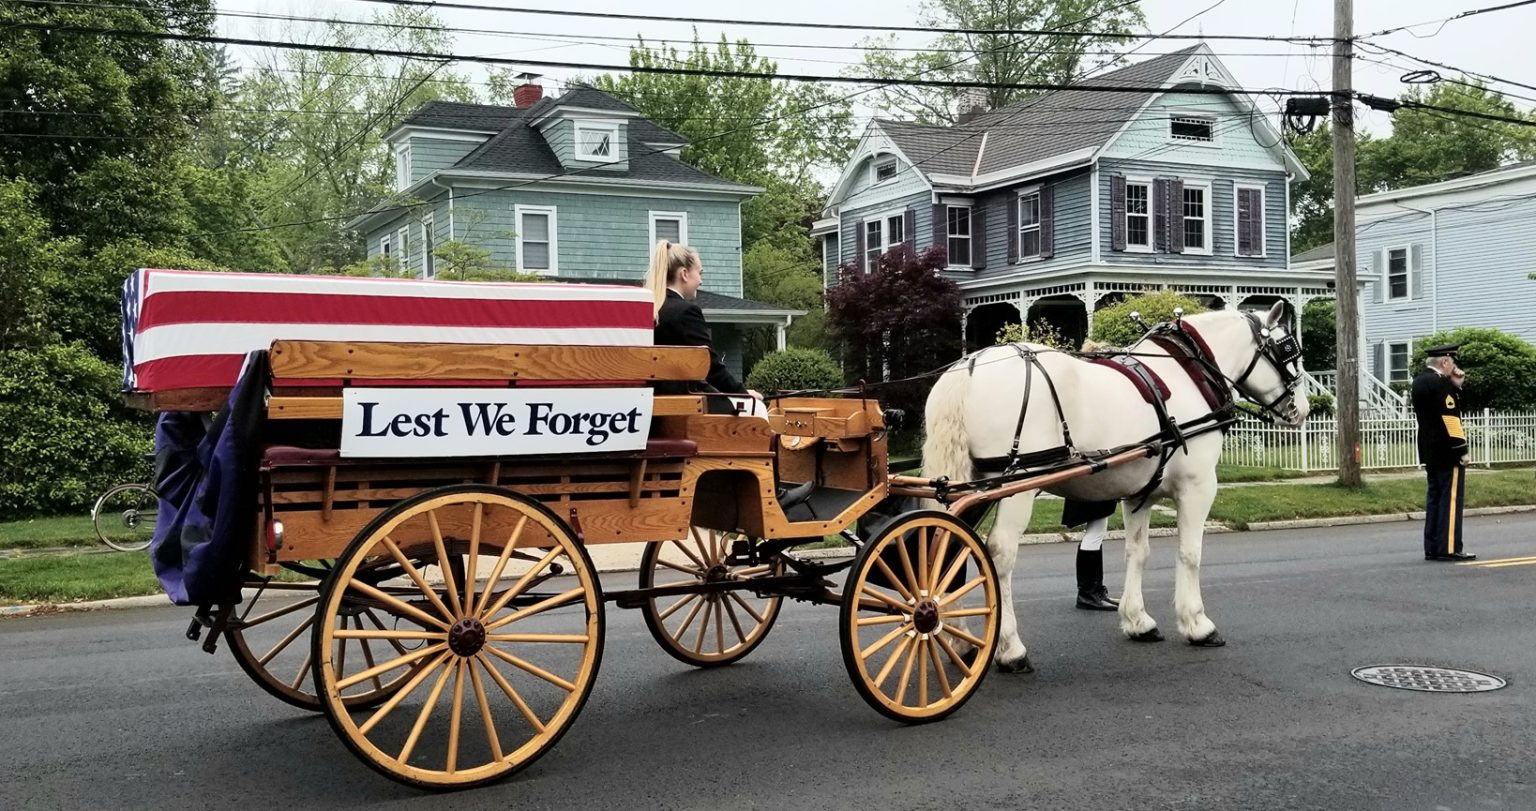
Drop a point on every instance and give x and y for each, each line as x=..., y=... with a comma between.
x=1416, y=271
x=1379, y=270
x=1244, y=222
x=978, y=236
x=909, y=227
x=1116, y=213
x=1047, y=222
x=860, y=245
x=1379, y=361
x=1176, y=215
x=1013, y=228
x=941, y=227
x=1160, y=215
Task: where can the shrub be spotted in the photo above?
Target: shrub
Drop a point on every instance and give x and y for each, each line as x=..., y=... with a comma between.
x=1501, y=368
x=1113, y=325
x=68, y=437
x=1039, y=332
x=795, y=369
x=1319, y=335
x=1320, y=405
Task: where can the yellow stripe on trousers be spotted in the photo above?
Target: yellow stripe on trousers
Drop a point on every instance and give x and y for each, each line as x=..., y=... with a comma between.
x=1450, y=535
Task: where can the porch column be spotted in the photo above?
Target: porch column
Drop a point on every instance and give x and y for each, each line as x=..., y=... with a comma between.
x=779, y=332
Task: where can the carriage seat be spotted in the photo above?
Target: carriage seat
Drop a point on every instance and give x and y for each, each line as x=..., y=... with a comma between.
x=274, y=456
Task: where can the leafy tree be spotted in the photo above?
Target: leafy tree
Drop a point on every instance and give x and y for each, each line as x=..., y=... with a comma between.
x=899, y=321
x=993, y=58
x=1501, y=368
x=795, y=369
x=27, y=253
x=1319, y=335
x=1113, y=324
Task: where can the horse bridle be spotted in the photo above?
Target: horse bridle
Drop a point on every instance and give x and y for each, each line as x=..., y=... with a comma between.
x=1281, y=355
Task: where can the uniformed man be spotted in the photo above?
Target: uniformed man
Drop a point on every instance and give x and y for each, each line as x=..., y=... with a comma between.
x=1443, y=452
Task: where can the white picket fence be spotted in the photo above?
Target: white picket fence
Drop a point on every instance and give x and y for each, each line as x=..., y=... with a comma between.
x=1385, y=442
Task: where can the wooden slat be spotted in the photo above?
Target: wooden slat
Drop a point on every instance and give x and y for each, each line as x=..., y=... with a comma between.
x=329, y=408
x=206, y=399
x=391, y=361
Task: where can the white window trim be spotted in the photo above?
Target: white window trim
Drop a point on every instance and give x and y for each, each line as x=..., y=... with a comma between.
x=884, y=219
x=428, y=239
x=876, y=162
x=971, y=237
x=386, y=246
x=1215, y=121
x=402, y=167
x=599, y=126
x=403, y=245
x=1263, y=220
x=554, y=238
x=1018, y=209
x=1151, y=215
x=682, y=225
x=1386, y=364
x=1210, y=231
x=1386, y=273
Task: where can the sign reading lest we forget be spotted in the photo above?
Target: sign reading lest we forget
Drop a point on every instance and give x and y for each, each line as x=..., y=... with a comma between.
x=493, y=422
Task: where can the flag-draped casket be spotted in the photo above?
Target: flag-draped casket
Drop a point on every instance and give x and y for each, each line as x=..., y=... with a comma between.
x=188, y=329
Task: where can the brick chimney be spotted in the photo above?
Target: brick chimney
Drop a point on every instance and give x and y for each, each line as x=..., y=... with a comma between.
x=967, y=116
x=528, y=92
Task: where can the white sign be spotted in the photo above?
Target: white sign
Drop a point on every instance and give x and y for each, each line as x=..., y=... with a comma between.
x=493, y=422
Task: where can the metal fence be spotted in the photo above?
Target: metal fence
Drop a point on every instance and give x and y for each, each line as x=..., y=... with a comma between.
x=1385, y=442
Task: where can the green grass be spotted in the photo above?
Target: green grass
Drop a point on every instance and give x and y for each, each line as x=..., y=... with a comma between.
x=1235, y=473
x=67, y=578
x=1241, y=506
x=42, y=533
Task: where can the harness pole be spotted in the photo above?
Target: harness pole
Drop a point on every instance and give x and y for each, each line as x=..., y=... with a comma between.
x=1345, y=293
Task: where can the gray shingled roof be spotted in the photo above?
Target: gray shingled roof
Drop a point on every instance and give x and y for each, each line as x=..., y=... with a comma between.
x=1039, y=128
x=456, y=115
x=1320, y=252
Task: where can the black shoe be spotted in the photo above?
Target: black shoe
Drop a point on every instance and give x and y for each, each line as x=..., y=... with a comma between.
x=1094, y=601
x=1453, y=557
x=1104, y=595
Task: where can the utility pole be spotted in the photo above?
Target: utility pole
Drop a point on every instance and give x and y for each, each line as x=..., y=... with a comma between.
x=1346, y=295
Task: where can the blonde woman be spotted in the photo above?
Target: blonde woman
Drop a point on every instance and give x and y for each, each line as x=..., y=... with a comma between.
x=674, y=277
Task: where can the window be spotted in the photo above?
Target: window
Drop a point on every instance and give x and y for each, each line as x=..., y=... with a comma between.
x=537, y=245
x=1138, y=215
x=873, y=245
x=402, y=167
x=1197, y=219
x=1249, y=222
x=1398, y=353
x=885, y=168
x=880, y=235
x=959, y=235
x=671, y=226
x=1029, y=225
x=596, y=141
x=403, y=246
x=428, y=247
x=1397, y=274
x=1188, y=128
x=385, y=248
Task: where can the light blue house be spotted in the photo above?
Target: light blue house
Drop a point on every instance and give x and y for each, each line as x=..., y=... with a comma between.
x=576, y=187
x=1058, y=206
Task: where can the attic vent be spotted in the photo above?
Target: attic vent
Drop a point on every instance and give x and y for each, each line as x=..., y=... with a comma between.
x=1192, y=129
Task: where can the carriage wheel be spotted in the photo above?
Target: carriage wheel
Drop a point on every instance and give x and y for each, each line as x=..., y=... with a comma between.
x=920, y=601
x=706, y=630
x=501, y=661
x=271, y=642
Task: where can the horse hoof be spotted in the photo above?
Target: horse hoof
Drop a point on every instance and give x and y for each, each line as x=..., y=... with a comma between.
x=1152, y=635
x=1213, y=640
x=1019, y=666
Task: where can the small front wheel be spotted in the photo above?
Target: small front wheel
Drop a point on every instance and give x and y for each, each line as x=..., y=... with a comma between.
x=730, y=624
x=124, y=517
x=919, y=619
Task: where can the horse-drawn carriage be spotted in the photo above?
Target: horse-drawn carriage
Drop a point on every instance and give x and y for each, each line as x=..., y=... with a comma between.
x=397, y=534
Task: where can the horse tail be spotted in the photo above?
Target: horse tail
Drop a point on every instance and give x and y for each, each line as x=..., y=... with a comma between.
x=946, y=447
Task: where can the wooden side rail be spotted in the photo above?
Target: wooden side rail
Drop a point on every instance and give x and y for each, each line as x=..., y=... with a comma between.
x=310, y=360
x=329, y=408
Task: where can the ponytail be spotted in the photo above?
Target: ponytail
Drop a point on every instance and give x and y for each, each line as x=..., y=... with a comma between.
x=667, y=259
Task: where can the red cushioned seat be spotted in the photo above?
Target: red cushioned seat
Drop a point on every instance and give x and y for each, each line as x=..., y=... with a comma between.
x=669, y=448
x=291, y=456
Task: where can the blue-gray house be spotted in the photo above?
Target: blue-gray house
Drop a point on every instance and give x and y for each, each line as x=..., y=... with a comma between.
x=1058, y=206
x=576, y=187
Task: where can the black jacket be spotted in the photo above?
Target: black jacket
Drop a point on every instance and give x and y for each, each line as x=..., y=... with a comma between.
x=1437, y=404
x=681, y=323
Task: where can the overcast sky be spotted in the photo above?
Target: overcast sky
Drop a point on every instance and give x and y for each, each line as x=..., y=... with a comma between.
x=1497, y=43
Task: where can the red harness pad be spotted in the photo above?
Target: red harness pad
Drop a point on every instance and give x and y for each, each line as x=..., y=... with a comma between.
x=1137, y=380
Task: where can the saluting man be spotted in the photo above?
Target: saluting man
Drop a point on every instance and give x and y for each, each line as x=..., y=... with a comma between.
x=1443, y=452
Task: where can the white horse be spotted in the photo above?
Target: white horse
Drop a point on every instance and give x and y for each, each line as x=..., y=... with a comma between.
x=974, y=412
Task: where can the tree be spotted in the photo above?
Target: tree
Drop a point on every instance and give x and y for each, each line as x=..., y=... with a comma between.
x=27, y=252
x=1319, y=335
x=994, y=58
x=1114, y=326
x=1501, y=368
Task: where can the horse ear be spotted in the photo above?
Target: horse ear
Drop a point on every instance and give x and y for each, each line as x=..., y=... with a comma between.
x=1276, y=314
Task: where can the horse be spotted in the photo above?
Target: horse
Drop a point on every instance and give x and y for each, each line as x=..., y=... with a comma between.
x=993, y=405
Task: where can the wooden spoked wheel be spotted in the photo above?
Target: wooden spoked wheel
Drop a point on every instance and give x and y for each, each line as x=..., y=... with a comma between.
x=500, y=659
x=271, y=641
x=919, y=619
x=705, y=629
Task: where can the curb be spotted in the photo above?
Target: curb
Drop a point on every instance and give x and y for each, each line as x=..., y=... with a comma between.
x=1345, y=520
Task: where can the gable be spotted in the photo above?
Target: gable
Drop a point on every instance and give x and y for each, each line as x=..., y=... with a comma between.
x=1235, y=140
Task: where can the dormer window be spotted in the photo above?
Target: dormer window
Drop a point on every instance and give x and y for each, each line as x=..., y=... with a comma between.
x=595, y=142
x=884, y=168
x=1192, y=128
x=402, y=168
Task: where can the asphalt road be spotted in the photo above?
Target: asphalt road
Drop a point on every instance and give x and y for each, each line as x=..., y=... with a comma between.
x=116, y=710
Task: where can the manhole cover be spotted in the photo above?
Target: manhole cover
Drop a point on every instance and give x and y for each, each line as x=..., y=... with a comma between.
x=1428, y=679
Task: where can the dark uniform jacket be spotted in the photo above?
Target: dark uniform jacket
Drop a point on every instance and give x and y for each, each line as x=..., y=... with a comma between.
x=681, y=323
x=1437, y=404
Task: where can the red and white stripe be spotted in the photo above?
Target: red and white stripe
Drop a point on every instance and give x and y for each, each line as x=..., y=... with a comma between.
x=188, y=329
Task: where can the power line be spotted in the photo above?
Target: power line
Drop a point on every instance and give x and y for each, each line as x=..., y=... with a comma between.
x=1443, y=22
x=1488, y=76
x=835, y=26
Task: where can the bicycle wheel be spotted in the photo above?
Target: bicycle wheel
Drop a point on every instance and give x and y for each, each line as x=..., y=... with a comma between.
x=124, y=517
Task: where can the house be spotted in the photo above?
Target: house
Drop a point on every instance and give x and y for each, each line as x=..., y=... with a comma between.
x=577, y=187
x=1058, y=206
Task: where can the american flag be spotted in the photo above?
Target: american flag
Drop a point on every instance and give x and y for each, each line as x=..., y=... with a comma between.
x=188, y=329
